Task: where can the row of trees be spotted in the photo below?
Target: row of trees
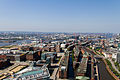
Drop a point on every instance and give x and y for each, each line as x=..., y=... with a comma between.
x=112, y=69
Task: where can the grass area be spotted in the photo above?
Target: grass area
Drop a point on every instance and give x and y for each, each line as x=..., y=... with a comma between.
x=113, y=60
x=111, y=68
x=117, y=65
x=99, y=53
x=102, y=54
x=97, y=49
x=89, y=47
x=44, y=51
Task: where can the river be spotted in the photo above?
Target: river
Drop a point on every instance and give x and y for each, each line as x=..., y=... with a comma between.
x=15, y=43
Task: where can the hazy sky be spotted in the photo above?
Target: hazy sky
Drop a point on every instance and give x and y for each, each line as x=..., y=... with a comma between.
x=60, y=15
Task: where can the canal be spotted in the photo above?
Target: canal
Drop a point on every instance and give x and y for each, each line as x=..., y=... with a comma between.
x=80, y=57
x=103, y=73
x=70, y=69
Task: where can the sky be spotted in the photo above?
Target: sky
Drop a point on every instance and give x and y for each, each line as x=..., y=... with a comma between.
x=60, y=15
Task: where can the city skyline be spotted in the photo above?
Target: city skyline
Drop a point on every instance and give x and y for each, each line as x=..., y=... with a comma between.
x=60, y=16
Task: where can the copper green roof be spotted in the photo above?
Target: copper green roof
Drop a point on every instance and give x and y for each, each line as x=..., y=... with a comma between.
x=32, y=73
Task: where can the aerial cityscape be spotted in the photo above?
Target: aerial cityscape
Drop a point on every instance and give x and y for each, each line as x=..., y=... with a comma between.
x=59, y=56
x=59, y=40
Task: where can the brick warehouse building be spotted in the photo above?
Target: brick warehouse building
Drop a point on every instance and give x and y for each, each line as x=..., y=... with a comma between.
x=34, y=55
